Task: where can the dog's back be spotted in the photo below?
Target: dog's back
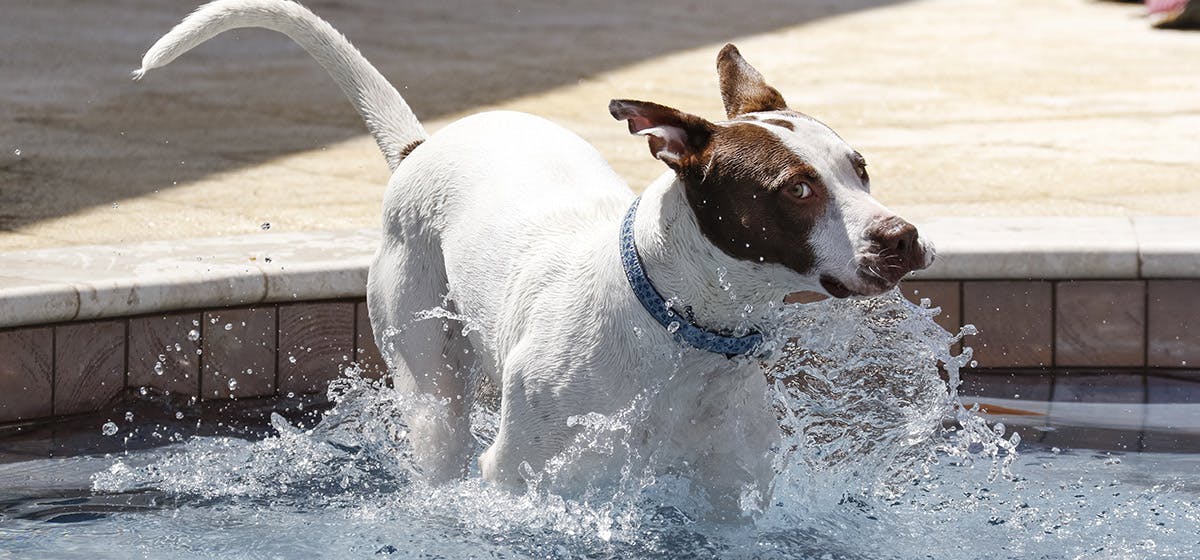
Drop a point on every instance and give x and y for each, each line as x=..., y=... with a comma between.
x=534, y=195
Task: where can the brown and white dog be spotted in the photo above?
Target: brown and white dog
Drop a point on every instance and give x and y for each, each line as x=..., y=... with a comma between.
x=514, y=226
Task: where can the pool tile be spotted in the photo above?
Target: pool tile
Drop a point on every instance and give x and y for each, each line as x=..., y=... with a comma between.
x=1170, y=441
x=316, y=341
x=945, y=295
x=89, y=361
x=370, y=360
x=1173, y=411
x=1099, y=386
x=1016, y=247
x=163, y=355
x=1173, y=323
x=1033, y=385
x=1167, y=246
x=1013, y=322
x=26, y=373
x=1100, y=323
x=234, y=341
x=1081, y=438
x=1175, y=387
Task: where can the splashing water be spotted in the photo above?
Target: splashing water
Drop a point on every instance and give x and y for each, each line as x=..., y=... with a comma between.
x=876, y=459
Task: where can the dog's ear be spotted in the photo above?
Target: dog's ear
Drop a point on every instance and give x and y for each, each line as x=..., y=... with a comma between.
x=742, y=88
x=674, y=136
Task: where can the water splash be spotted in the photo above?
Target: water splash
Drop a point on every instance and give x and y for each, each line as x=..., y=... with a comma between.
x=875, y=446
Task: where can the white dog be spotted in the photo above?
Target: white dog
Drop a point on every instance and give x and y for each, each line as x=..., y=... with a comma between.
x=582, y=299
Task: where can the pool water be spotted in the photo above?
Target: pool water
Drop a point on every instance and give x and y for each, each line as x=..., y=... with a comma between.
x=877, y=459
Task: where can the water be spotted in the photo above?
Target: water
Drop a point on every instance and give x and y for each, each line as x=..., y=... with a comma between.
x=876, y=461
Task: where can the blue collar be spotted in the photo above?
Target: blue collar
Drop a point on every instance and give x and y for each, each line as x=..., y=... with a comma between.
x=681, y=327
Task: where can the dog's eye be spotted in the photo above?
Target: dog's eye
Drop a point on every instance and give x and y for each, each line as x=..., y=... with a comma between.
x=800, y=190
x=862, y=173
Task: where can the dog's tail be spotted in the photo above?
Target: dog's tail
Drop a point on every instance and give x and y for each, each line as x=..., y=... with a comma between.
x=390, y=120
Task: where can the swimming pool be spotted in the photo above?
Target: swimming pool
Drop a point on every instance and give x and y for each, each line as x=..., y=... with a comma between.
x=877, y=461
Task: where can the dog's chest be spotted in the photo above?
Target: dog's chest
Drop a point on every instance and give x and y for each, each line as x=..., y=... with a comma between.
x=712, y=407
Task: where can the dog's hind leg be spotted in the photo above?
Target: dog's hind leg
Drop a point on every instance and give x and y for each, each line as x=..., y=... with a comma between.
x=425, y=354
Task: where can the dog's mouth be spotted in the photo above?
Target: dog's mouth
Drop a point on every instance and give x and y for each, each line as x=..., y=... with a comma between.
x=838, y=289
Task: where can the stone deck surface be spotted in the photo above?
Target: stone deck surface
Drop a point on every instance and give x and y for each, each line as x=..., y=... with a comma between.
x=978, y=108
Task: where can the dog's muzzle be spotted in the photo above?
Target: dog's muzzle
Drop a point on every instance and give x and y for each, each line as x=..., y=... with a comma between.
x=897, y=250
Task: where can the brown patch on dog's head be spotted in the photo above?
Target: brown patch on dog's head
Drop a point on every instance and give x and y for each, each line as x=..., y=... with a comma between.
x=781, y=123
x=755, y=198
x=743, y=89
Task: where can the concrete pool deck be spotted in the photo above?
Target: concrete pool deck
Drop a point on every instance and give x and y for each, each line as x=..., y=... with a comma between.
x=964, y=109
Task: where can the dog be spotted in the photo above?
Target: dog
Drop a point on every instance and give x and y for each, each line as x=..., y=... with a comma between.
x=582, y=297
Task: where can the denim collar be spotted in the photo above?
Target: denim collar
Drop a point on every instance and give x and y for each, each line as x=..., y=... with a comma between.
x=679, y=325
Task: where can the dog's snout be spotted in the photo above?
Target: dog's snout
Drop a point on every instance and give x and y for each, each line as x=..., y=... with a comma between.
x=899, y=246
x=898, y=237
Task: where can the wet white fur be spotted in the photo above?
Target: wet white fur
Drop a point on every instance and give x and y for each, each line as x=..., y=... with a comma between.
x=512, y=222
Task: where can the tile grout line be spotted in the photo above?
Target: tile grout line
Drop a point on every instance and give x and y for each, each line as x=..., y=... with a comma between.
x=275, y=387
x=53, y=370
x=1054, y=324
x=1145, y=353
x=1146, y=323
x=200, y=360
x=125, y=379
x=354, y=337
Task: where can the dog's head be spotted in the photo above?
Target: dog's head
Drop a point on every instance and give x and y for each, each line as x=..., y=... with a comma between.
x=771, y=185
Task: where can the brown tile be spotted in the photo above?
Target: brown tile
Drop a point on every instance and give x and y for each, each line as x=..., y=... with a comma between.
x=943, y=294
x=370, y=360
x=89, y=361
x=1173, y=323
x=1100, y=323
x=1014, y=321
x=1174, y=387
x=163, y=353
x=1033, y=385
x=239, y=353
x=316, y=341
x=26, y=373
x=1101, y=386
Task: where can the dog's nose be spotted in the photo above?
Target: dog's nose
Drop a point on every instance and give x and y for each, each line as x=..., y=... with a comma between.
x=899, y=247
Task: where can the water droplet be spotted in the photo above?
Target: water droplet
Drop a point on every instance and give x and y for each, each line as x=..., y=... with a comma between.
x=177, y=347
x=228, y=326
x=158, y=368
x=266, y=226
x=17, y=152
x=194, y=335
x=109, y=428
x=672, y=327
x=129, y=416
x=116, y=205
x=291, y=359
x=232, y=384
x=179, y=415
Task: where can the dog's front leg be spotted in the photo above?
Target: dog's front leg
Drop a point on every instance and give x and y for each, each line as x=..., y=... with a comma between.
x=532, y=427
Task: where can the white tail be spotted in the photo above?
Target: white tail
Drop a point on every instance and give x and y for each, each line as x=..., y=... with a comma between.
x=387, y=116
